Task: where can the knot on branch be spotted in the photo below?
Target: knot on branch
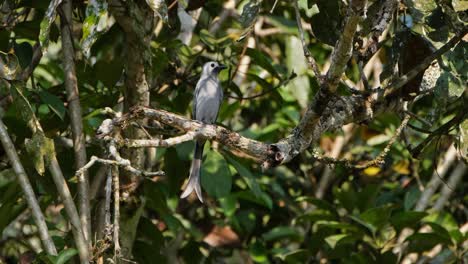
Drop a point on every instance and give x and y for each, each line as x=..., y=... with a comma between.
x=274, y=157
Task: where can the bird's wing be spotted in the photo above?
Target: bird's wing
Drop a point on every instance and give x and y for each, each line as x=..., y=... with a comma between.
x=200, y=84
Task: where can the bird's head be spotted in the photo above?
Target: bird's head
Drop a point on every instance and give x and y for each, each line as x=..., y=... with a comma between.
x=212, y=68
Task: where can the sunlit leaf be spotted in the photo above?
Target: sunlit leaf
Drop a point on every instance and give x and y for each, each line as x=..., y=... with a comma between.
x=159, y=7
x=65, y=255
x=47, y=21
x=250, y=12
x=97, y=22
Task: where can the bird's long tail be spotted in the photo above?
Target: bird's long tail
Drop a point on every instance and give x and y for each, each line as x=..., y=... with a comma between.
x=194, y=178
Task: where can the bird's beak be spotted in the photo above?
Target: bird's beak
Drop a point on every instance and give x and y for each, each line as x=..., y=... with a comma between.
x=221, y=67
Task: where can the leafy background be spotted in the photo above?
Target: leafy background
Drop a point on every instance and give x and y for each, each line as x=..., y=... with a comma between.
x=249, y=215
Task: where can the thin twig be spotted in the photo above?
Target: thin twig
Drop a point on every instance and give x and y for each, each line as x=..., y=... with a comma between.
x=309, y=57
x=273, y=7
x=23, y=180
x=116, y=184
x=420, y=119
x=380, y=159
x=120, y=162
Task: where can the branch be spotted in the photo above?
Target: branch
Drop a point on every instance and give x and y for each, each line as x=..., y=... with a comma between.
x=120, y=162
x=70, y=208
x=76, y=121
x=310, y=59
x=147, y=143
x=10, y=150
x=344, y=47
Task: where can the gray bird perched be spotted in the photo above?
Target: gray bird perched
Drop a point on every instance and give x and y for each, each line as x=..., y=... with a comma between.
x=206, y=102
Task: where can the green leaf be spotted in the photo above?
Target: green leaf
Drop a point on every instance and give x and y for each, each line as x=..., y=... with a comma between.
x=258, y=252
x=261, y=60
x=421, y=242
x=377, y=217
x=411, y=197
x=53, y=102
x=212, y=41
x=159, y=7
x=24, y=52
x=443, y=219
x=282, y=232
x=319, y=203
x=406, y=219
x=297, y=256
x=248, y=177
x=463, y=148
x=47, y=22
x=333, y=240
x=65, y=255
x=346, y=196
x=97, y=22
x=216, y=177
x=448, y=87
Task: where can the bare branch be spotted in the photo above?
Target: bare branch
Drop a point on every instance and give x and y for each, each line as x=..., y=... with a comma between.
x=120, y=162
x=70, y=208
x=71, y=85
x=146, y=143
x=23, y=180
x=116, y=184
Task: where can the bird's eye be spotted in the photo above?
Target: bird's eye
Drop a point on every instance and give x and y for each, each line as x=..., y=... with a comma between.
x=212, y=65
